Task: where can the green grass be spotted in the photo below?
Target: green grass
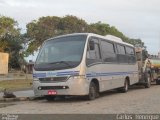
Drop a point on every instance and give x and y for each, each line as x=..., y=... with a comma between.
x=15, y=84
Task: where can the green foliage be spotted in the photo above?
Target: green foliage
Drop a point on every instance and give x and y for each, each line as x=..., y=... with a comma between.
x=10, y=40
x=14, y=48
x=72, y=24
x=8, y=26
x=137, y=42
x=50, y=26
x=7, y=29
x=47, y=27
x=105, y=29
x=38, y=31
x=99, y=28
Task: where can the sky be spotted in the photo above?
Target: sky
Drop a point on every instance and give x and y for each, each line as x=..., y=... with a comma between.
x=135, y=18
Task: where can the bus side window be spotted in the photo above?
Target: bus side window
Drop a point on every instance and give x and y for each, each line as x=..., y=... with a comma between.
x=93, y=51
x=91, y=45
x=122, y=57
x=131, y=55
x=108, y=51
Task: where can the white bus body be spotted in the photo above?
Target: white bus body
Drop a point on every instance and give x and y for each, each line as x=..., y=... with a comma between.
x=102, y=64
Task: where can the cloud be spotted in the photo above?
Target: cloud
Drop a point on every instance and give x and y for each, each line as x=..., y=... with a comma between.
x=135, y=18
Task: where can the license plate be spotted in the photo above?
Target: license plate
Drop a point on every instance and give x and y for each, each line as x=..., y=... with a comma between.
x=52, y=92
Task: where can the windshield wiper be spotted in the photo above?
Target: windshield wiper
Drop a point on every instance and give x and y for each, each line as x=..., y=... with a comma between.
x=58, y=62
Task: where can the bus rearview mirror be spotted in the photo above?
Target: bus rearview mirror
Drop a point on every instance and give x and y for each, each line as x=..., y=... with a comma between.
x=91, y=45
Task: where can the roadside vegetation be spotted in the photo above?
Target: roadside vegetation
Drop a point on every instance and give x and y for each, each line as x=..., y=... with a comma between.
x=15, y=84
x=20, y=45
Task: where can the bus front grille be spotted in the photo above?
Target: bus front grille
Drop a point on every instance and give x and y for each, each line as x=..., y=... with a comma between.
x=53, y=79
x=52, y=87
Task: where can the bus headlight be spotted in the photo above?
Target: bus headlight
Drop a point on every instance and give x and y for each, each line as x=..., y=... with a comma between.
x=35, y=79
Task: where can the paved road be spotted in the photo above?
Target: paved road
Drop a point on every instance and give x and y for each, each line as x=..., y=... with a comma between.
x=138, y=100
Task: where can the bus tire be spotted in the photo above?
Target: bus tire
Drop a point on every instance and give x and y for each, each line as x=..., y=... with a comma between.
x=92, y=91
x=148, y=81
x=157, y=81
x=50, y=98
x=125, y=87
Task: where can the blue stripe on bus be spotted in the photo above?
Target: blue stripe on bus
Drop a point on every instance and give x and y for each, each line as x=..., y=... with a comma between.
x=110, y=74
x=68, y=72
x=43, y=75
x=39, y=75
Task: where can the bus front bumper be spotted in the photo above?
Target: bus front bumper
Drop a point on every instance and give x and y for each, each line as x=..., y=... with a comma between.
x=70, y=87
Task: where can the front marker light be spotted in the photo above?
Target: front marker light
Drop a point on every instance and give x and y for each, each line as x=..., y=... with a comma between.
x=35, y=79
x=39, y=88
x=64, y=87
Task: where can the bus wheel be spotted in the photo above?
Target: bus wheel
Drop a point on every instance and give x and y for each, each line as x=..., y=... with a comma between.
x=148, y=81
x=92, y=91
x=158, y=81
x=50, y=98
x=125, y=87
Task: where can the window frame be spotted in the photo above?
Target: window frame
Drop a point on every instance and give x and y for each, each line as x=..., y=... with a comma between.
x=97, y=61
x=114, y=48
x=131, y=55
x=117, y=54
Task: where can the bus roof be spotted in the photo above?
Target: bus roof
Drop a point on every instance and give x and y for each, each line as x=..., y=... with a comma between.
x=108, y=37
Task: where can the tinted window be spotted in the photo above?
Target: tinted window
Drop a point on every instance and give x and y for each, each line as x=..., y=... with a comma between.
x=130, y=51
x=108, y=51
x=121, y=49
x=131, y=55
x=122, y=57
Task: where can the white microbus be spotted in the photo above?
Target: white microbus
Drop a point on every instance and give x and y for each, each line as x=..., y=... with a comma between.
x=84, y=64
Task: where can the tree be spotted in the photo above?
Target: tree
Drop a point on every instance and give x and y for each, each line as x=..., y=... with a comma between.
x=50, y=26
x=14, y=49
x=99, y=28
x=7, y=29
x=38, y=31
x=10, y=40
x=105, y=29
x=137, y=42
x=72, y=24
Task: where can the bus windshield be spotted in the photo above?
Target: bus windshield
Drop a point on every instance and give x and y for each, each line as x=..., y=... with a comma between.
x=61, y=53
